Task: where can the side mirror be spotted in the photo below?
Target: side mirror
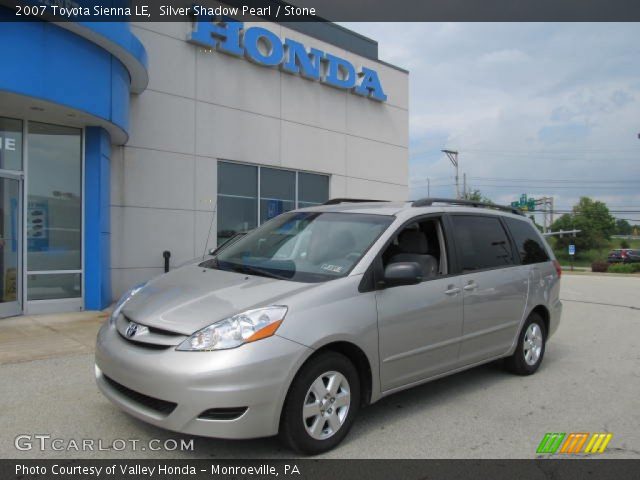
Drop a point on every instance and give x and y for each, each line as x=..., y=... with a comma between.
x=402, y=273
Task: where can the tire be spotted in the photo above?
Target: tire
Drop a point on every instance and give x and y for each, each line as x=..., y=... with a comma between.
x=321, y=425
x=529, y=352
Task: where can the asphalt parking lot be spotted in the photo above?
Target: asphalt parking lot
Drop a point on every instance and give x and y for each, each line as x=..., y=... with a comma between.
x=589, y=382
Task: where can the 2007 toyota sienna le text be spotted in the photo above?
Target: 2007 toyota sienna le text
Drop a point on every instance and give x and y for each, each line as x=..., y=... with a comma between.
x=295, y=326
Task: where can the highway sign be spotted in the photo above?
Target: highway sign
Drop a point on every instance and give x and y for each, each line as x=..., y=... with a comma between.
x=572, y=249
x=526, y=204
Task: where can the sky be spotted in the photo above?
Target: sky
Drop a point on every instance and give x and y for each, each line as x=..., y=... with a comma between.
x=546, y=109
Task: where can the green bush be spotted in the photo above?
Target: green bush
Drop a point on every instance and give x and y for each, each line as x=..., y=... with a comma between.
x=599, y=266
x=624, y=244
x=624, y=268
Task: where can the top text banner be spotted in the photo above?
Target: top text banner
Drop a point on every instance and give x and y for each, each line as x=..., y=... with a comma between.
x=324, y=10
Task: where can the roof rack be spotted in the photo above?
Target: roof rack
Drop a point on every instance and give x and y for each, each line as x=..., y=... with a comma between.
x=337, y=201
x=427, y=202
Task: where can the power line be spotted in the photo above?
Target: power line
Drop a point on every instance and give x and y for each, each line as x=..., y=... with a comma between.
x=546, y=180
x=595, y=156
x=552, y=180
x=537, y=187
x=507, y=150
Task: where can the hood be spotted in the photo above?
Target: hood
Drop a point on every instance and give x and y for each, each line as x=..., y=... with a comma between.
x=190, y=298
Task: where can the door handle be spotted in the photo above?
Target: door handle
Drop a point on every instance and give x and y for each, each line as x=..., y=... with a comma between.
x=452, y=290
x=470, y=286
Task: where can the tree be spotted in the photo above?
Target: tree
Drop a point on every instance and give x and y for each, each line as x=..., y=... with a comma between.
x=623, y=227
x=592, y=217
x=477, y=196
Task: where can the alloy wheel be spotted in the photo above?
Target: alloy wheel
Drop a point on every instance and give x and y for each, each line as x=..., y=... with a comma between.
x=533, y=341
x=326, y=405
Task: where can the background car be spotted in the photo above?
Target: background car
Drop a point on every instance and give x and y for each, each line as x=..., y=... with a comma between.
x=624, y=255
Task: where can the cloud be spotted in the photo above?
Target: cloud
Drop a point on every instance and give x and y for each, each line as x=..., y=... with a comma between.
x=509, y=56
x=568, y=133
x=521, y=100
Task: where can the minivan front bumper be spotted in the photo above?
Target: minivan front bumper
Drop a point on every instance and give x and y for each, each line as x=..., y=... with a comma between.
x=172, y=389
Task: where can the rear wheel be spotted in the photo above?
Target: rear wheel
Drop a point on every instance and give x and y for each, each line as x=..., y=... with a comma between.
x=321, y=404
x=531, y=346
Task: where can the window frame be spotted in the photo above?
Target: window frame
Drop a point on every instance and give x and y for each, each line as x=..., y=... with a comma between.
x=58, y=304
x=372, y=278
x=296, y=204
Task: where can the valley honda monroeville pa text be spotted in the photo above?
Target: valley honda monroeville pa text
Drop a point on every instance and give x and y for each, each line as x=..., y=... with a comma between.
x=293, y=327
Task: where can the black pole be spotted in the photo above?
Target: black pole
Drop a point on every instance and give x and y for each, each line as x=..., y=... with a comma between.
x=166, y=255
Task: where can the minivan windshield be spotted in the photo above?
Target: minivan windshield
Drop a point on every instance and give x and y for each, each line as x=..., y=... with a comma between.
x=303, y=246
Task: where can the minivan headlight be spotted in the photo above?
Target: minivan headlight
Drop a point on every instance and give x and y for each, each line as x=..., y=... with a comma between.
x=124, y=299
x=234, y=331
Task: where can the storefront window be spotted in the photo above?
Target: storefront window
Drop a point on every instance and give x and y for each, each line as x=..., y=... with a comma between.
x=54, y=212
x=312, y=189
x=10, y=144
x=237, y=199
x=277, y=192
x=242, y=205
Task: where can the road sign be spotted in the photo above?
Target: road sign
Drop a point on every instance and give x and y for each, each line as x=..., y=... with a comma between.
x=526, y=204
x=572, y=249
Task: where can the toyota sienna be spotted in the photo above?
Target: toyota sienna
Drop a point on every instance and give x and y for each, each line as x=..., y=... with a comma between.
x=295, y=326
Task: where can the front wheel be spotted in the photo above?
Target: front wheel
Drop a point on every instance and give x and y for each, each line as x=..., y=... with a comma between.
x=321, y=404
x=531, y=345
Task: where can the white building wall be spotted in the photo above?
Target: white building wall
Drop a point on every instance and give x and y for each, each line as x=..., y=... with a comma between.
x=202, y=106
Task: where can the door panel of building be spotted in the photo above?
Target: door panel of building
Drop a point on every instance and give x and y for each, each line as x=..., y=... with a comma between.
x=10, y=245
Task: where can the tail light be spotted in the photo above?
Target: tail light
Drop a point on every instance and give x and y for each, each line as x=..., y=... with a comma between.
x=556, y=264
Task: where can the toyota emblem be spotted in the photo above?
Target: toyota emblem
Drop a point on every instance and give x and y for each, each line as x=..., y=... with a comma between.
x=132, y=329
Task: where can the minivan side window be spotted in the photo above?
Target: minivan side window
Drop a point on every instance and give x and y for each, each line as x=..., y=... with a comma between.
x=527, y=241
x=482, y=242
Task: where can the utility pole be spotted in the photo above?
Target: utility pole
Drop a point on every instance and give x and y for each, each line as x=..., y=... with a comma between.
x=464, y=185
x=453, y=157
x=546, y=204
x=428, y=187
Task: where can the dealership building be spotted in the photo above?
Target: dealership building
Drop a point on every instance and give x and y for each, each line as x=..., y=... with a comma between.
x=120, y=141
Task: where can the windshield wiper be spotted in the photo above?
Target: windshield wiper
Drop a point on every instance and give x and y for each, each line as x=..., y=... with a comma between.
x=257, y=271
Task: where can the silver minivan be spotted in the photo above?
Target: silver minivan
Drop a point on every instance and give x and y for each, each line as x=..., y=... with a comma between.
x=295, y=326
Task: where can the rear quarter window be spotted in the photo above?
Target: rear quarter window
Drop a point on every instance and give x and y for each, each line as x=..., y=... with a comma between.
x=528, y=242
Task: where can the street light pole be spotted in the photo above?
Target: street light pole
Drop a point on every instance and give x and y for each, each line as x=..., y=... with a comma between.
x=453, y=157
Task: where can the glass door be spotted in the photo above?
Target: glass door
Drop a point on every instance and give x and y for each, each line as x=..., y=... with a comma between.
x=10, y=244
x=53, y=218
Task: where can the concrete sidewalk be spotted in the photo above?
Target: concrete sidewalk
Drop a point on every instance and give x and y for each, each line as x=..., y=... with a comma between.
x=36, y=337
